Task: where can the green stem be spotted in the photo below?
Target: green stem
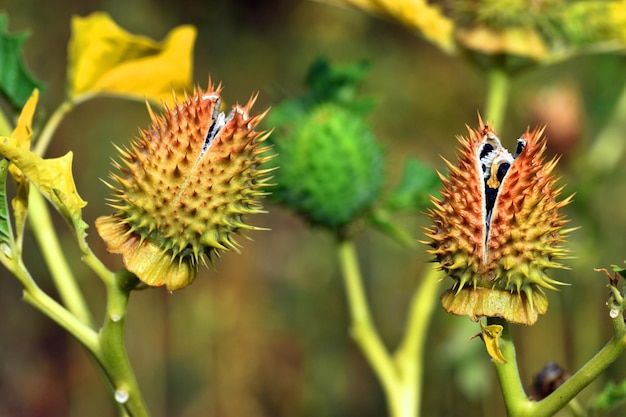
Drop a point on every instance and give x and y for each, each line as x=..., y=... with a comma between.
x=114, y=358
x=410, y=354
x=498, y=88
x=575, y=409
x=401, y=374
x=585, y=375
x=62, y=275
x=48, y=306
x=5, y=125
x=516, y=402
x=515, y=398
x=607, y=149
x=51, y=126
x=363, y=330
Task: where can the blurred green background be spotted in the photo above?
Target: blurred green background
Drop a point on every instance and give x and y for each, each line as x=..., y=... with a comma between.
x=265, y=332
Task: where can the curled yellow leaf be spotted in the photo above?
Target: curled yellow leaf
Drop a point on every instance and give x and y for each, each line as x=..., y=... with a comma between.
x=491, y=336
x=53, y=177
x=105, y=59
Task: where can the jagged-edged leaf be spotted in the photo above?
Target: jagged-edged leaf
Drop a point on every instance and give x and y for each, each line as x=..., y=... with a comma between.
x=611, y=396
x=16, y=82
x=53, y=177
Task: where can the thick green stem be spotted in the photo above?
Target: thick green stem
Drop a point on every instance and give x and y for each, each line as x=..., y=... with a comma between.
x=47, y=305
x=363, y=330
x=114, y=358
x=410, y=354
x=401, y=374
x=585, y=375
x=498, y=88
x=508, y=374
x=516, y=402
x=64, y=280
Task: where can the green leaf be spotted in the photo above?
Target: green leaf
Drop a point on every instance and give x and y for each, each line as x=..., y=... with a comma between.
x=327, y=84
x=6, y=235
x=16, y=82
x=611, y=396
x=419, y=181
x=619, y=270
x=335, y=83
x=382, y=220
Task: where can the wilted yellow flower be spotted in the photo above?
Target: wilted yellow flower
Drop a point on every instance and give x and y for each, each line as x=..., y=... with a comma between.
x=498, y=228
x=105, y=59
x=184, y=187
x=418, y=15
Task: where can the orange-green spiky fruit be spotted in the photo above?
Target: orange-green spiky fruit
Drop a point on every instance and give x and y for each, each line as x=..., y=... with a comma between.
x=183, y=188
x=498, y=228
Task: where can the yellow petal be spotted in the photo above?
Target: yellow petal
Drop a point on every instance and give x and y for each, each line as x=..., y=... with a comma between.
x=105, y=59
x=418, y=15
x=144, y=259
x=525, y=42
x=23, y=133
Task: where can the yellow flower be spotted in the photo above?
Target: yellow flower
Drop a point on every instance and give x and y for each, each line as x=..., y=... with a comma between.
x=184, y=187
x=498, y=228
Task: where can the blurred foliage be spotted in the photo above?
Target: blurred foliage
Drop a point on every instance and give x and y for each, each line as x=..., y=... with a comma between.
x=331, y=167
x=610, y=398
x=266, y=333
x=16, y=82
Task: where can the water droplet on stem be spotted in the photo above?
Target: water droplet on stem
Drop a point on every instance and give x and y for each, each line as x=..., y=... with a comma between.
x=121, y=396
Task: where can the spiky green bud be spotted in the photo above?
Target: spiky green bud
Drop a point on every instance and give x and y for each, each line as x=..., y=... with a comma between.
x=331, y=167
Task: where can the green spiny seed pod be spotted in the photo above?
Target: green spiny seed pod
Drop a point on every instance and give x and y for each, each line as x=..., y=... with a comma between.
x=183, y=188
x=498, y=228
x=331, y=167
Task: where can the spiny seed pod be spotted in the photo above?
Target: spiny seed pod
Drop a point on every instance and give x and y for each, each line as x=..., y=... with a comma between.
x=183, y=188
x=498, y=228
x=331, y=167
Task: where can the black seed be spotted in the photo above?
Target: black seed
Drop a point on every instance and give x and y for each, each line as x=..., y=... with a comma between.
x=490, y=199
x=485, y=151
x=521, y=144
x=502, y=170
